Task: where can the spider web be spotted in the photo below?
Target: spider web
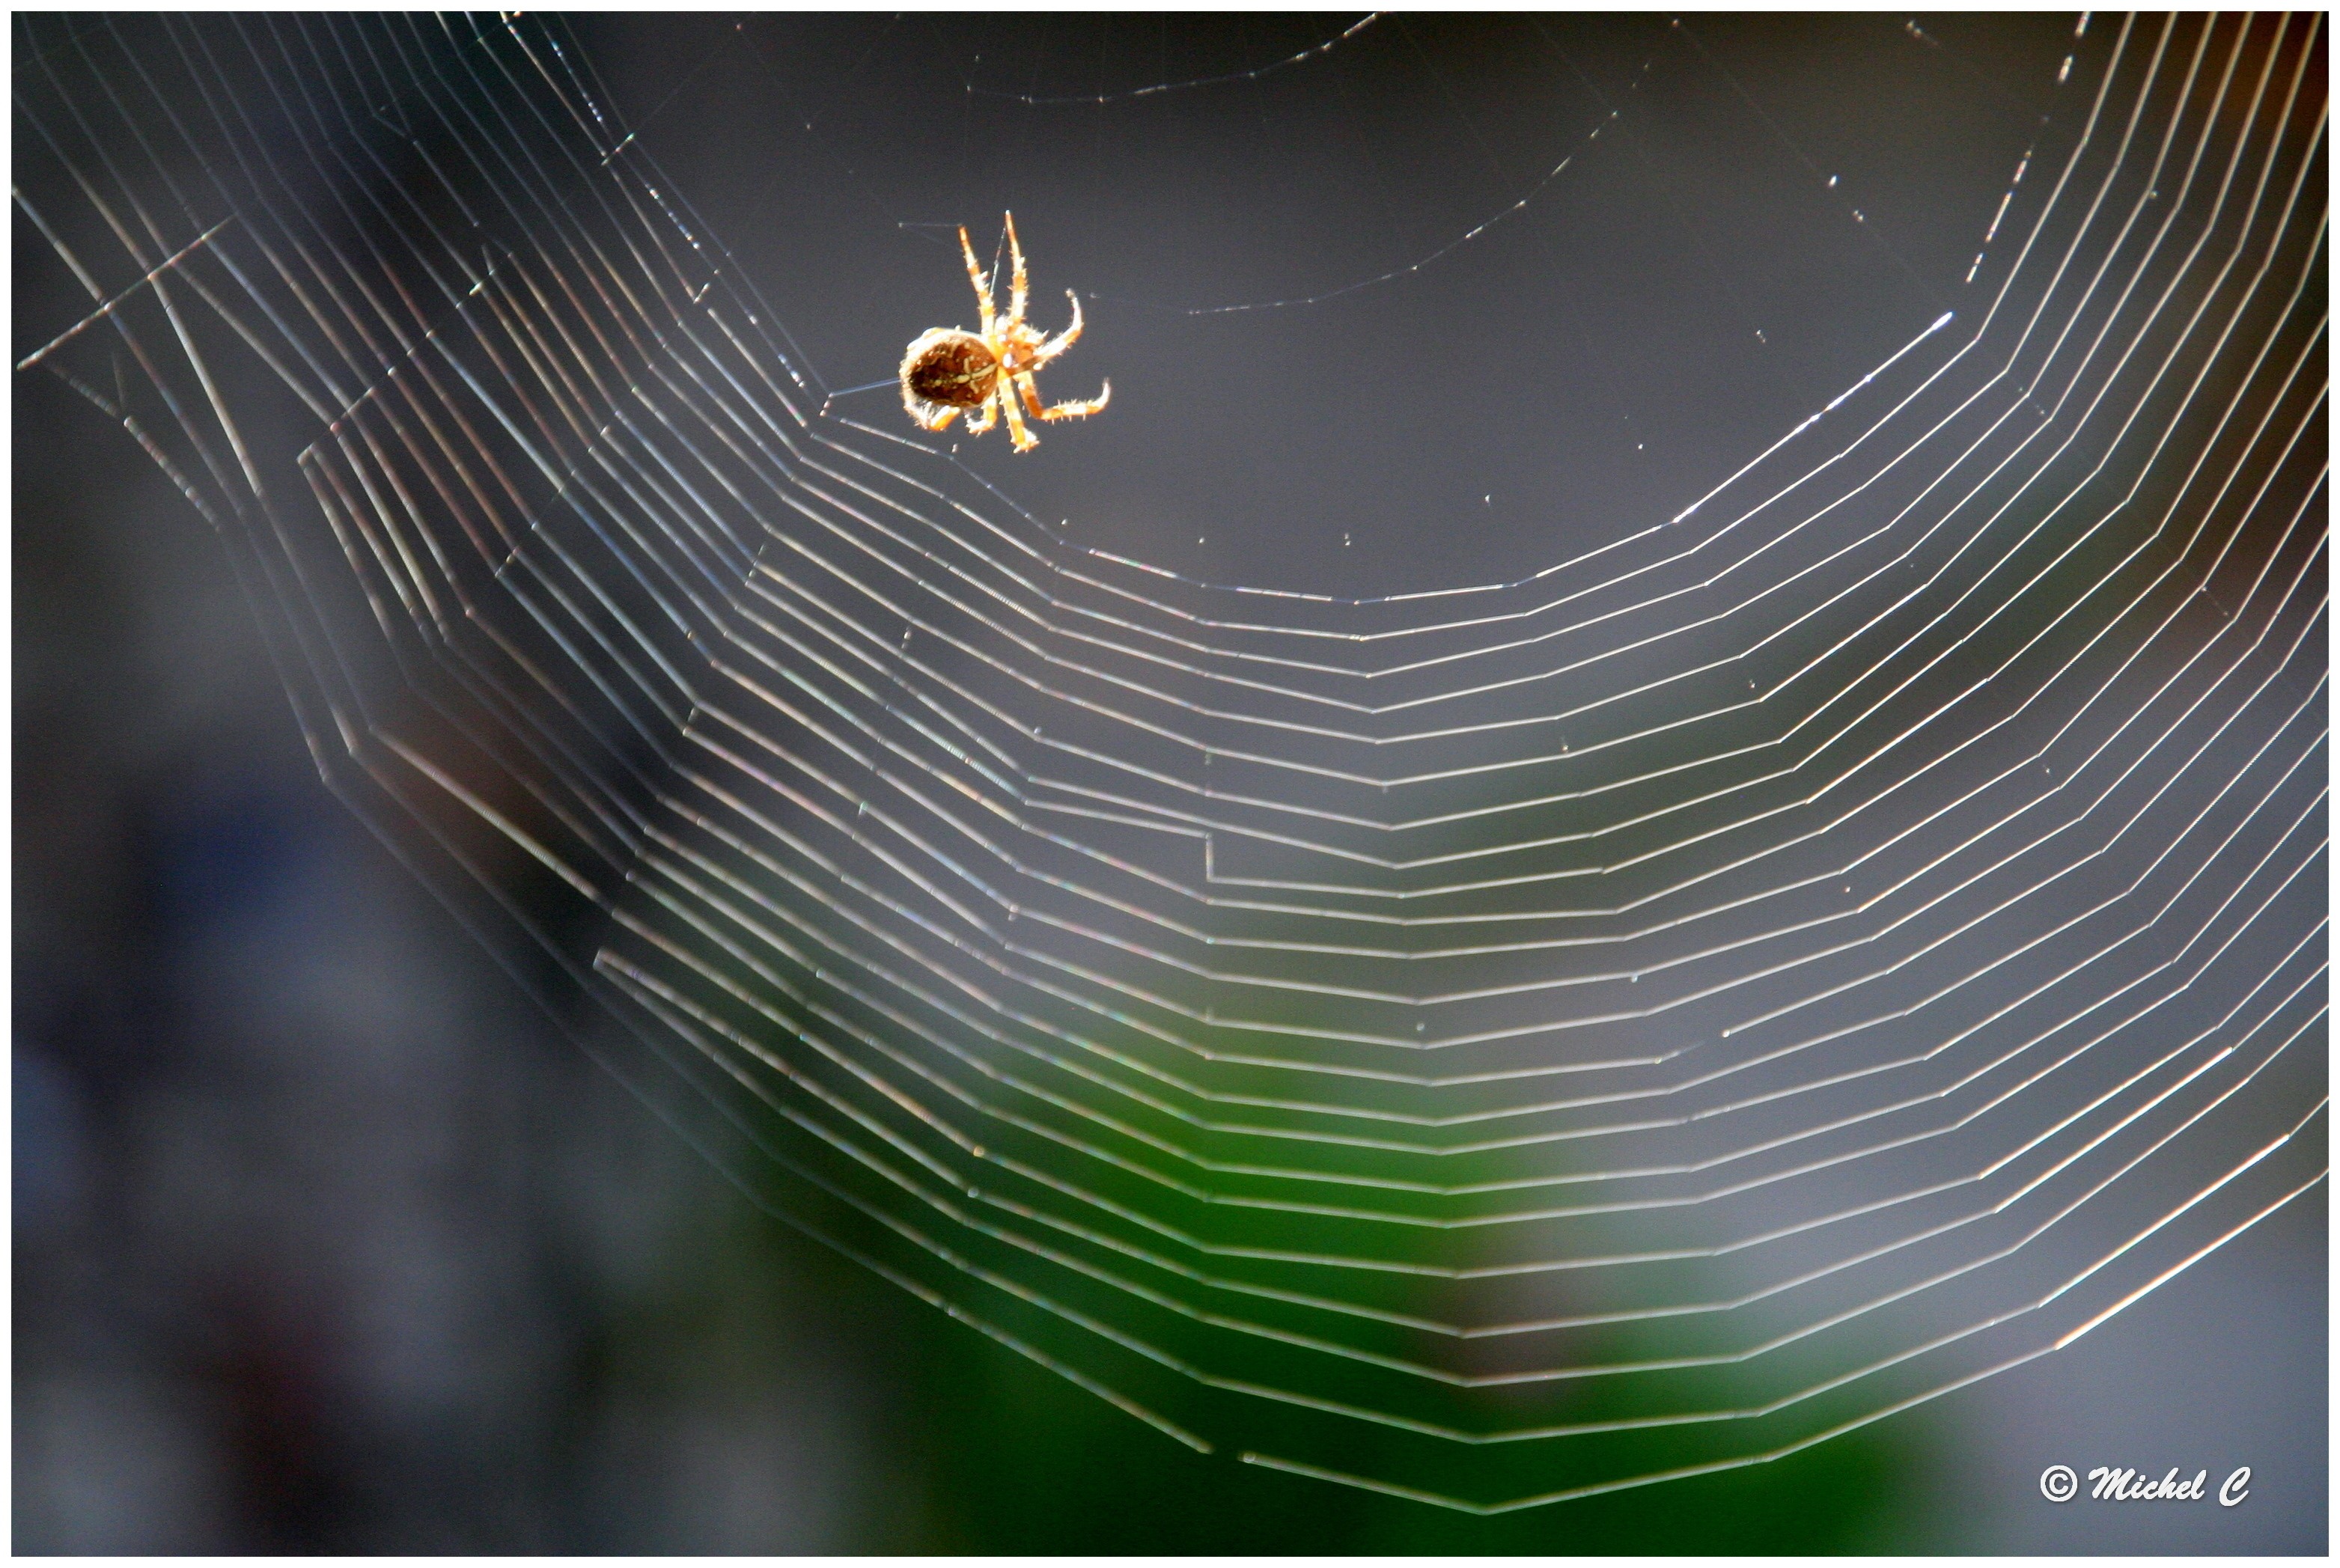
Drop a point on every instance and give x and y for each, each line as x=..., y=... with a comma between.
x=1782, y=957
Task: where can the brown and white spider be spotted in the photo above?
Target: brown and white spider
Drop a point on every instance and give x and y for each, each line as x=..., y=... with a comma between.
x=949, y=371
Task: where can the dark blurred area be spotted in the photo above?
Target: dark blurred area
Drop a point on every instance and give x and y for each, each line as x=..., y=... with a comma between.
x=329, y=1238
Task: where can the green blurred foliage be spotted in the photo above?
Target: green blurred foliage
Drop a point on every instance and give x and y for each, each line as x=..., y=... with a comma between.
x=1020, y=1461
x=962, y=1445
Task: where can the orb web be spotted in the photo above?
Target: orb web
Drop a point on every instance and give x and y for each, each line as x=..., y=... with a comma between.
x=1494, y=1044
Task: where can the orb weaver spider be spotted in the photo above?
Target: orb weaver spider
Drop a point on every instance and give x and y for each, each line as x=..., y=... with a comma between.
x=949, y=371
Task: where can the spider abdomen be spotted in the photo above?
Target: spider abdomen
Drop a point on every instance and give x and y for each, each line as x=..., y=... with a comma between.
x=952, y=367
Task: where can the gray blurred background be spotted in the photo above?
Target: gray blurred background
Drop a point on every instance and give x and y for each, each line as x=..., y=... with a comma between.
x=327, y=1238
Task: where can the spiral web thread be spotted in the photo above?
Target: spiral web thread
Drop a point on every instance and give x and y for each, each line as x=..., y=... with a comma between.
x=1491, y=1045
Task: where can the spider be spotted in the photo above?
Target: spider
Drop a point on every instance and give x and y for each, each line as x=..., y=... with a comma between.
x=949, y=371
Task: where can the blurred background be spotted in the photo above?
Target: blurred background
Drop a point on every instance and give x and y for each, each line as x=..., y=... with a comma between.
x=328, y=1237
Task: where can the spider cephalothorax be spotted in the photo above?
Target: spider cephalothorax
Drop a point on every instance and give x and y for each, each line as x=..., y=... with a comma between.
x=949, y=371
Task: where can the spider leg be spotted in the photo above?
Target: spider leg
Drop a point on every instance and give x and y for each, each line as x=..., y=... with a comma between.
x=1019, y=288
x=1063, y=340
x=1025, y=440
x=1077, y=408
x=927, y=415
x=981, y=423
x=982, y=285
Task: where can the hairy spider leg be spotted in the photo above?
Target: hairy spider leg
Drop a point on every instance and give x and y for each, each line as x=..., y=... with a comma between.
x=939, y=421
x=1049, y=348
x=981, y=423
x=982, y=287
x=1025, y=440
x=1077, y=408
x=1019, y=288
